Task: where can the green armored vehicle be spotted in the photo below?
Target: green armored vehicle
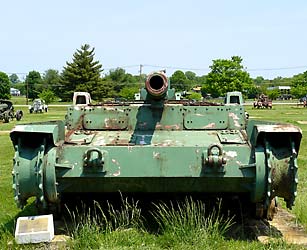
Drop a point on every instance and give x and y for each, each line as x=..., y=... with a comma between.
x=7, y=111
x=158, y=145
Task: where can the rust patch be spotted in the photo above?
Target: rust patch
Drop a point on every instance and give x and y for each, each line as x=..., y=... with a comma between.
x=210, y=125
x=168, y=127
x=68, y=134
x=112, y=124
x=119, y=142
x=73, y=130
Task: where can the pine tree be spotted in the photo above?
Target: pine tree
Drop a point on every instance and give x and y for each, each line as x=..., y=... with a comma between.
x=82, y=74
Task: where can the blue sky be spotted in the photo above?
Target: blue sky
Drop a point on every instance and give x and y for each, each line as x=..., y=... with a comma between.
x=270, y=36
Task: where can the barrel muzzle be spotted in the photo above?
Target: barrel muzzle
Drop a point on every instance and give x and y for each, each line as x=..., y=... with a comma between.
x=157, y=84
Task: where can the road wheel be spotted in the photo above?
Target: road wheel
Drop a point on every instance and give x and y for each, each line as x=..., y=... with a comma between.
x=6, y=118
x=19, y=115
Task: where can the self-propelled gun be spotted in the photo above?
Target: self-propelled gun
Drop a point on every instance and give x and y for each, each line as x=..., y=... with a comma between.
x=157, y=145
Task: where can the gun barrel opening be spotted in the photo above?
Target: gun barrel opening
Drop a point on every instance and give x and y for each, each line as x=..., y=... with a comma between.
x=157, y=84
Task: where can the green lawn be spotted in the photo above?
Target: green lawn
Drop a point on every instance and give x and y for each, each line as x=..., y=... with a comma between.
x=21, y=100
x=90, y=235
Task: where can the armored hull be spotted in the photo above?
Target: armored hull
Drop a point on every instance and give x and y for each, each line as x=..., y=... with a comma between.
x=157, y=145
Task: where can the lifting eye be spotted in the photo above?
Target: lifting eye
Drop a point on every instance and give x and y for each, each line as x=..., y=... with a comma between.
x=93, y=158
x=215, y=156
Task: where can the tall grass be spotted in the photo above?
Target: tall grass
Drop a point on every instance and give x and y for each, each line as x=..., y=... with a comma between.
x=180, y=223
x=92, y=226
x=188, y=222
x=109, y=219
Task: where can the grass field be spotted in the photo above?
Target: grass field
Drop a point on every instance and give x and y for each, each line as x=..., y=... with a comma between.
x=21, y=100
x=175, y=233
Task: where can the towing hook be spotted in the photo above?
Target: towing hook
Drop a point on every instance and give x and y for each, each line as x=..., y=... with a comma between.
x=93, y=158
x=215, y=155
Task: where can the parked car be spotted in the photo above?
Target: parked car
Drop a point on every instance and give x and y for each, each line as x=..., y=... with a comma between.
x=7, y=111
x=38, y=105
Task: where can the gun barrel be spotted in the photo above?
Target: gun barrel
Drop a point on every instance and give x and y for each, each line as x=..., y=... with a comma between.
x=156, y=84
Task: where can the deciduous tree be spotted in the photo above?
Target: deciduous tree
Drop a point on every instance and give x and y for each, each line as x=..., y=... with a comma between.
x=179, y=81
x=47, y=95
x=299, y=85
x=14, y=79
x=33, y=84
x=4, y=86
x=227, y=75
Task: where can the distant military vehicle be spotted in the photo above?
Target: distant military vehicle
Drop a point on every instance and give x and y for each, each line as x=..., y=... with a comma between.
x=7, y=111
x=38, y=106
x=302, y=101
x=263, y=102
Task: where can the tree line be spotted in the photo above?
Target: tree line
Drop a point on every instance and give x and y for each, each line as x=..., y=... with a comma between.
x=84, y=73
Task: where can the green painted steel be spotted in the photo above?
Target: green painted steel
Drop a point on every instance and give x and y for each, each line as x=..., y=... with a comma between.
x=157, y=144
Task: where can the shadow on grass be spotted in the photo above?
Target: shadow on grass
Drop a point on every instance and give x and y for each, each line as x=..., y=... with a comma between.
x=123, y=212
x=152, y=216
x=10, y=224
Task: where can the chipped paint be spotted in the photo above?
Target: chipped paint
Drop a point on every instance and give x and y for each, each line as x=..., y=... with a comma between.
x=156, y=155
x=168, y=127
x=19, y=128
x=140, y=105
x=117, y=173
x=159, y=126
x=129, y=148
x=113, y=123
x=100, y=141
x=174, y=104
x=174, y=127
x=210, y=125
x=167, y=143
x=114, y=109
x=235, y=119
x=231, y=154
x=115, y=162
x=278, y=128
